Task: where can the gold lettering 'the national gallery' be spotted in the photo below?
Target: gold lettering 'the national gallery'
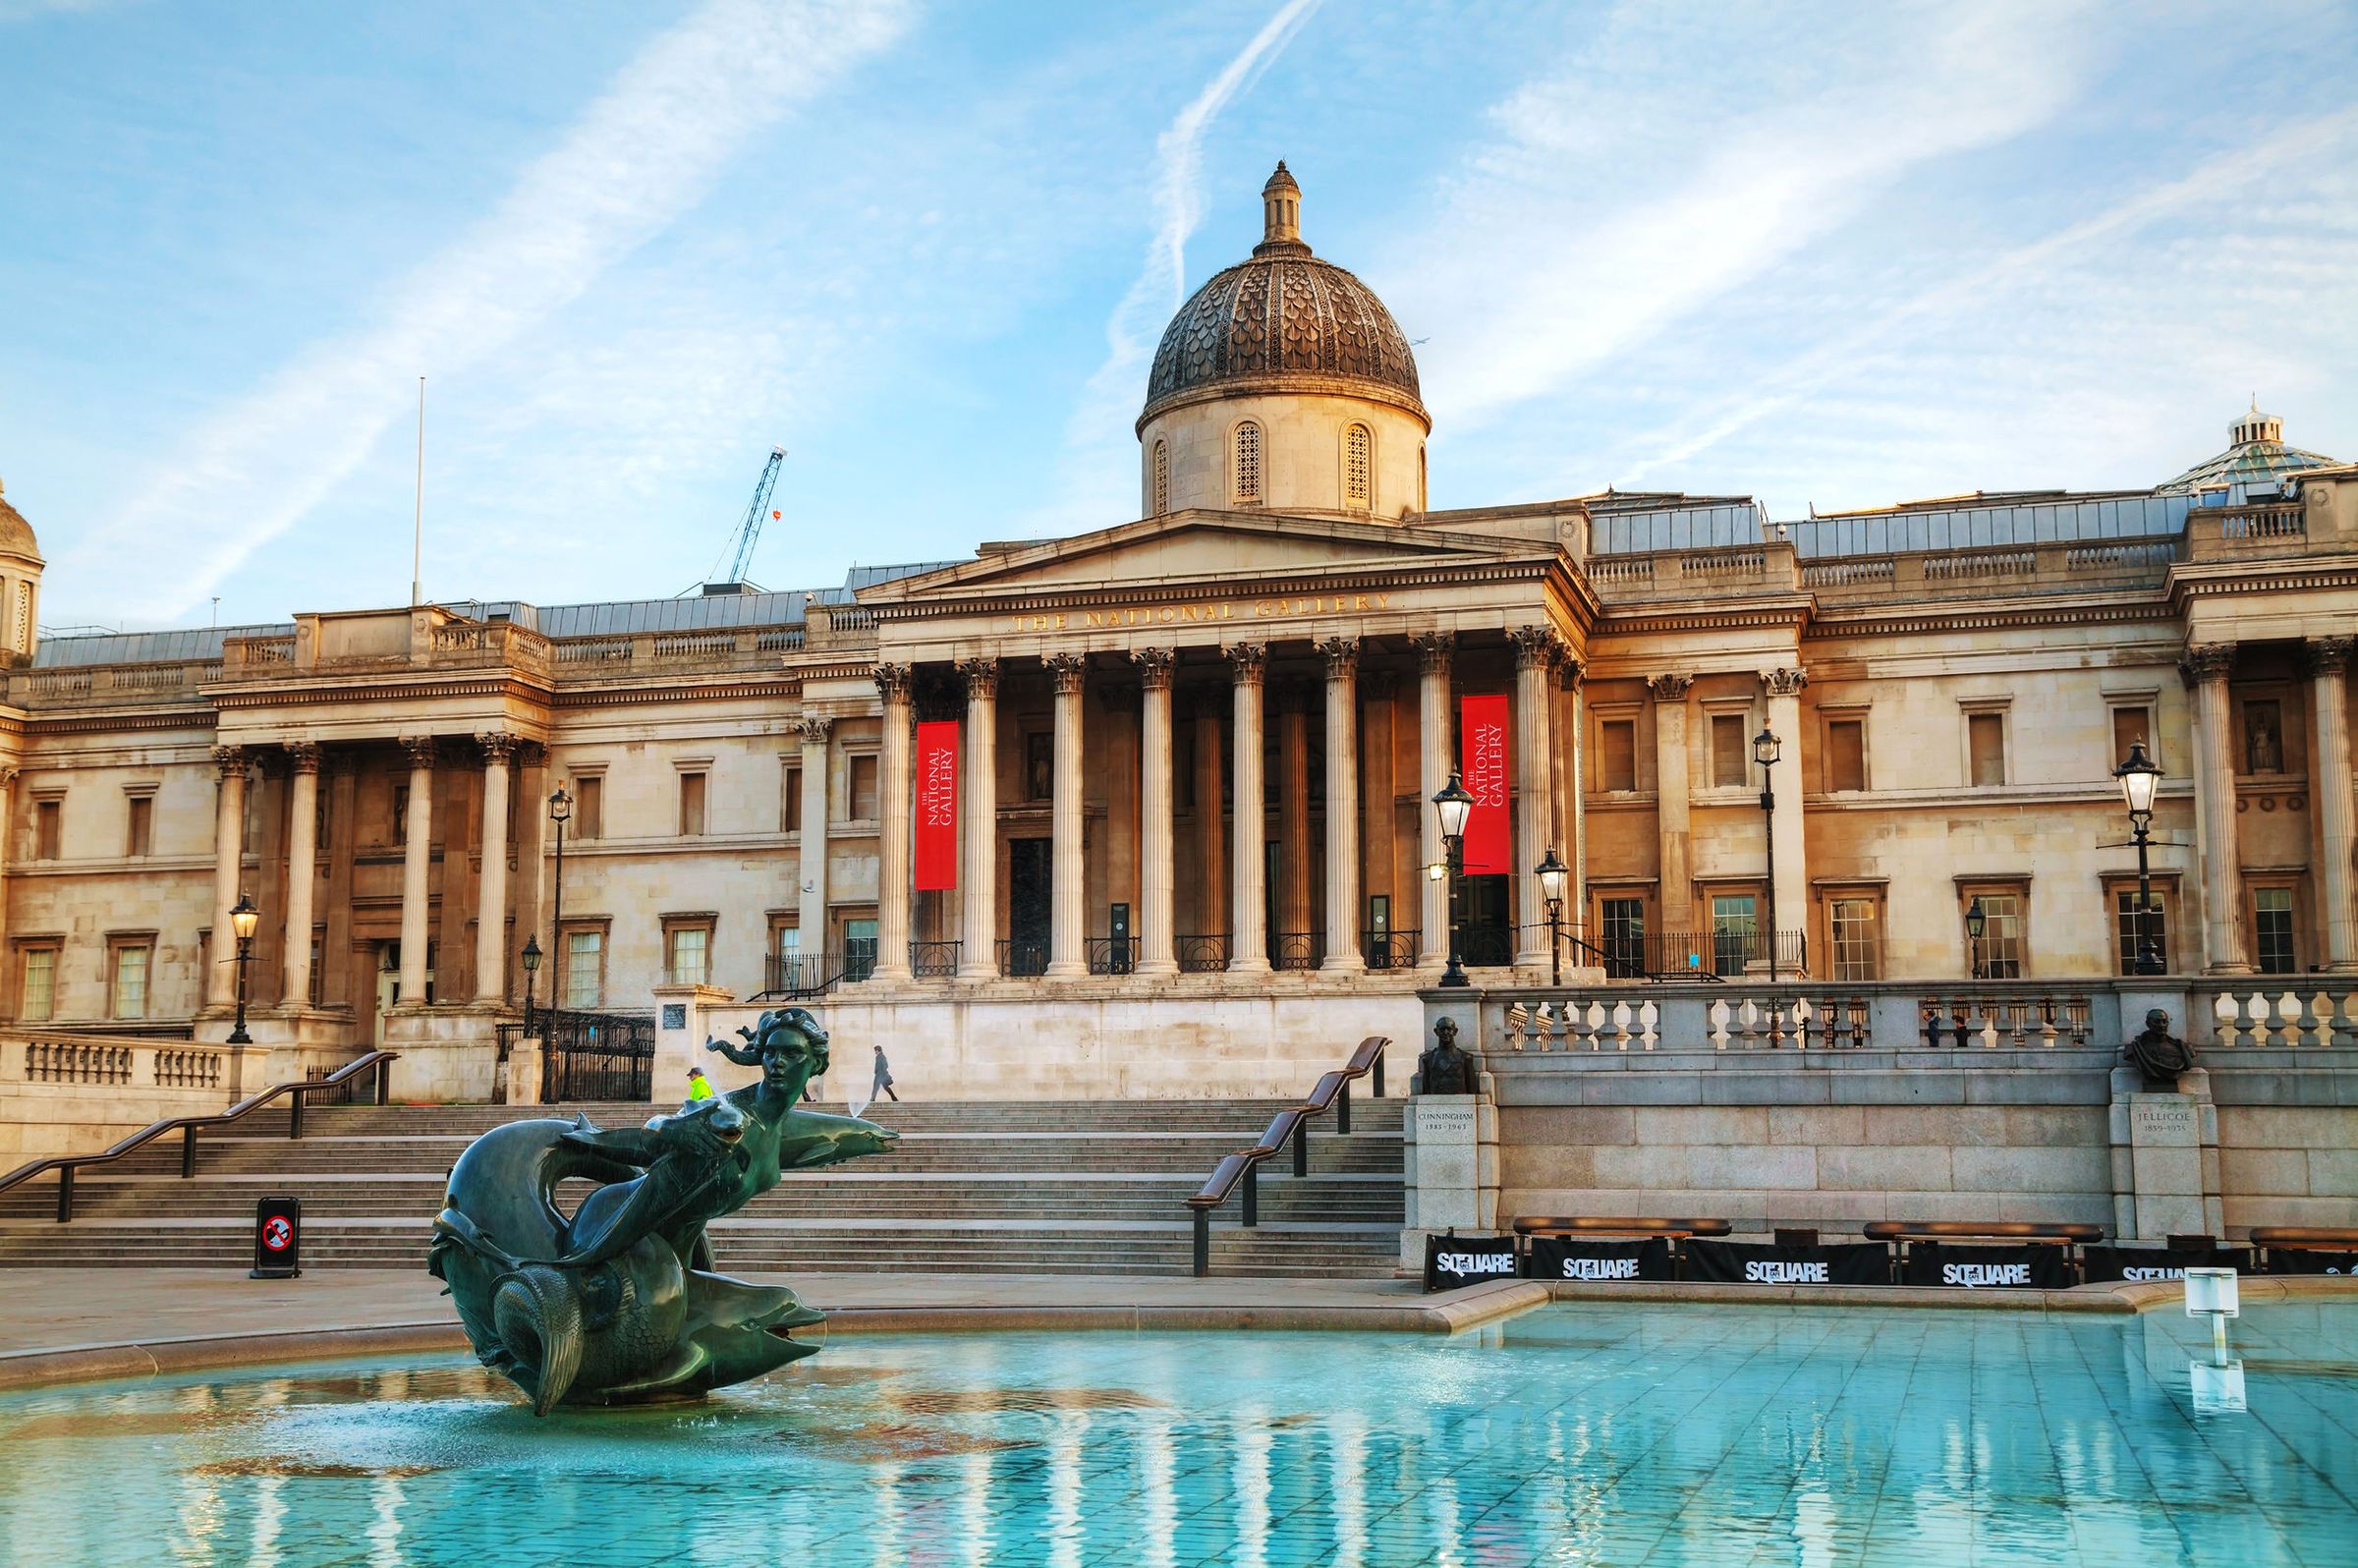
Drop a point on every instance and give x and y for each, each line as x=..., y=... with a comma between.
x=1280, y=607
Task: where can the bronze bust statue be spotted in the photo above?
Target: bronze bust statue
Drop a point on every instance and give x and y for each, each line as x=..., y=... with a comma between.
x=2157, y=1053
x=1444, y=1068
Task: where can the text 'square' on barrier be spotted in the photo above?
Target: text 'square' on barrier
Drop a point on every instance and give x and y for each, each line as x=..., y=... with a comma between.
x=1453, y=1260
x=277, y=1238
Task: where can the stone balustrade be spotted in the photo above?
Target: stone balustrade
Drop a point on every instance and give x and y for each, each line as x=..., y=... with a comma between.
x=107, y=685
x=2277, y=1011
x=1738, y=1017
x=101, y=1059
x=63, y=1092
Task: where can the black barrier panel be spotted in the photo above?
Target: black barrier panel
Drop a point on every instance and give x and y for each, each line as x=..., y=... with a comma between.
x=2104, y=1265
x=1553, y=1258
x=1454, y=1261
x=277, y=1238
x=2300, y=1260
x=1747, y=1263
x=1986, y=1267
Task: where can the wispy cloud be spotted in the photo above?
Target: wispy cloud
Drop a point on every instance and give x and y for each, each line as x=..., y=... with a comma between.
x=1099, y=479
x=645, y=153
x=1620, y=193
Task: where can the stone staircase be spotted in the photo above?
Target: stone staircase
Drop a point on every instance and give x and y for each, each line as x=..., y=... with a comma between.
x=1020, y=1187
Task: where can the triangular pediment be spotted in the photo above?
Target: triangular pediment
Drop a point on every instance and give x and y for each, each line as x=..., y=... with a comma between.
x=1197, y=548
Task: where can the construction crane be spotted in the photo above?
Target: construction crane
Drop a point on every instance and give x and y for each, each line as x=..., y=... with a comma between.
x=750, y=531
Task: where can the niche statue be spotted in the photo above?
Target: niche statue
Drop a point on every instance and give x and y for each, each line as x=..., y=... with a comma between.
x=1444, y=1068
x=2157, y=1053
x=618, y=1302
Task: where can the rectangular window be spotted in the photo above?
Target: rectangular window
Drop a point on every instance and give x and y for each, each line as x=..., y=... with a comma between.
x=128, y=987
x=1986, y=742
x=1729, y=752
x=860, y=782
x=688, y=960
x=48, y=829
x=790, y=799
x=139, y=831
x=1736, y=932
x=2262, y=737
x=36, y=985
x=2125, y=928
x=1617, y=755
x=1998, y=953
x=858, y=949
x=1845, y=754
x=1622, y=923
x=2271, y=927
x=2132, y=726
x=584, y=975
x=1858, y=940
x=590, y=807
x=691, y=804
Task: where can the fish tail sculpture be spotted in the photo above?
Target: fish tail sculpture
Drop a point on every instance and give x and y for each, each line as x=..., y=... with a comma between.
x=618, y=1302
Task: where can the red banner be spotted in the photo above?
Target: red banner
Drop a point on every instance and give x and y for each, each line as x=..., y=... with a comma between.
x=1481, y=730
x=936, y=805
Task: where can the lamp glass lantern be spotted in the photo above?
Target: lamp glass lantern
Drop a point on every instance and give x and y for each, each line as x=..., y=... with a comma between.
x=560, y=805
x=1976, y=921
x=532, y=954
x=1555, y=879
x=2139, y=780
x=1453, y=805
x=1767, y=748
x=244, y=918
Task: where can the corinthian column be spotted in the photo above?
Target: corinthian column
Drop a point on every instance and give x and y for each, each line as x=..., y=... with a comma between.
x=1212, y=837
x=2330, y=699
x=1248, y=936
x=1537, y=648
x=303, y=870
x=415, y=866
x=894, y=809
x=1434, y=651
x=1068, y=953
x=978, y=845
x=2204, y=669
x=811, y=858
x=1158, y=953
x=1792, y=890
x=1342, y=805
x=229, y=865
x=1673, y=831
x=491, y=888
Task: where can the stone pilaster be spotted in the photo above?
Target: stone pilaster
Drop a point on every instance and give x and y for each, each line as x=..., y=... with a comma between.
x=1293, y=813
x=1157, y=952
x=2204, y=669
x=1343, y=951
x=303, y=868
x=1792, y=846
x=229, y=869
x=1248, y=937
x=811, y=861
x=1671, y=792
x=895, y=806
x=1435, y=729
x=2330, y=705
x=417, y=865
x=1068, y=950
x=491, y=896
x=1537, y=648
x=978, y=845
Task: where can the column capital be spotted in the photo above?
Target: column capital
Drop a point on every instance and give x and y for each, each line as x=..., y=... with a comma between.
x=2206, y=661
x=1248, y=662
x=1154, y=667
x=1570, y=673
x=1784, y=682
x=303, y=756
x=421, y=749
x=982, y=677
x=8, y=776
x=1535, y=646
x=1341, y=655
x=1434, y=651
x=497, y=748
x=232, y=761
x=1671, y=688
x=894, y=681
x=813, y=729
x=2329, y=656
x=1067, y=670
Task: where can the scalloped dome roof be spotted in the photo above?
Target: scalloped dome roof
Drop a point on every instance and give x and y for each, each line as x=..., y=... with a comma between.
x=1281, y=314
x=16, y=535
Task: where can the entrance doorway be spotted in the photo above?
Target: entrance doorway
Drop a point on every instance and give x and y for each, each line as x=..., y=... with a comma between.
x=1031, y=901
x=1490, y=935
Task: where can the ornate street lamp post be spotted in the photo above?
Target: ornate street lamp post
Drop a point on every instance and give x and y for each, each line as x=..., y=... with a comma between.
x=244, y=919
x=1453, y=804
x=1765, y=750
x=560, y=811
x=1976, y=922
x=1554, y=875
x=2139, y=779
x=531, y=967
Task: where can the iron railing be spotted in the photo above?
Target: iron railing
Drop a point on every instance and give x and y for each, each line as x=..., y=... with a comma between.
x=1297, y=949
x=1390, y=949
x=334, y=1084
x=936, y=960
x=1203, y=954
x=596, y=1056
x=1112, y=955
x=1023, y=957
x=1290, y=1125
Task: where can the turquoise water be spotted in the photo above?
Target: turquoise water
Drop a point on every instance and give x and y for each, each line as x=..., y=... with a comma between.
x=1570, y=1435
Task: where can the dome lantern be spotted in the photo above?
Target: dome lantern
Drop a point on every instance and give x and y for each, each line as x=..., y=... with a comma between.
x=1281, y=216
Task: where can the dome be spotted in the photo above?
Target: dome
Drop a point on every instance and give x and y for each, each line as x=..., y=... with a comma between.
x=1283, y=319
x=2257, y=459
x=16, y=535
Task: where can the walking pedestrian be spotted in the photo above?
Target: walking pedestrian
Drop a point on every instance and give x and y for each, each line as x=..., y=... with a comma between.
x=882, y=1082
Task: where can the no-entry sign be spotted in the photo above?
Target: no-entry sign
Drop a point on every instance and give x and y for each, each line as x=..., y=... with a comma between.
x=277, y=1238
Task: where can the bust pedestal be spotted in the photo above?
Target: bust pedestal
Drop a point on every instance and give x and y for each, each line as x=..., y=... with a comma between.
x=1450, y=1156
x=2165, y=1158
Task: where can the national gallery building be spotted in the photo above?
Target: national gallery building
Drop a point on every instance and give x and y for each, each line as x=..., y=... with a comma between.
x=1170, y=780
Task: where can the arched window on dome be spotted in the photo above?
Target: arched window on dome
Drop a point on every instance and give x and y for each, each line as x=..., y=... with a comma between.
x=1247, y=487
x=1359, y=450
x=1159, y=480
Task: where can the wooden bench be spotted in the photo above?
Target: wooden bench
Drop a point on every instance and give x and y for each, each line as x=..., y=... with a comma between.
x=1905, y=1233
x=1607, y=1227
x=2302, y=1239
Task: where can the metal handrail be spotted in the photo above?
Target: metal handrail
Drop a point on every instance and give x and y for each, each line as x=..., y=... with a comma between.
x=1291, y=1124
x=66, y=1164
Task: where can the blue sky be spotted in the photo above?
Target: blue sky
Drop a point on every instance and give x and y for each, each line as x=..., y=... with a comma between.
x=1836, y=256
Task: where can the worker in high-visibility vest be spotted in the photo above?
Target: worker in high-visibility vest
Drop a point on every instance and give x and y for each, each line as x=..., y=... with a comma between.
x=699, y=1088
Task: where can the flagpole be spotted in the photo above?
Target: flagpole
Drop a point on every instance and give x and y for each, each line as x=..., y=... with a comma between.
x=418, y=518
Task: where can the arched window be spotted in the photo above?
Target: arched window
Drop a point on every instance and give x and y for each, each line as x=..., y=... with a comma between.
x=1162, y=477
x=1248, y=461
x=1358, y=451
